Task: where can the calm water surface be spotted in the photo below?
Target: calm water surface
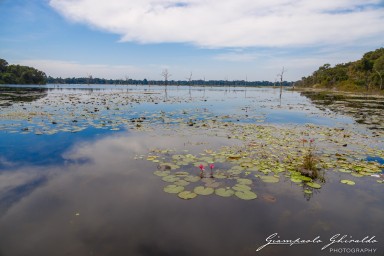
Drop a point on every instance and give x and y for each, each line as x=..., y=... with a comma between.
x=71, y=181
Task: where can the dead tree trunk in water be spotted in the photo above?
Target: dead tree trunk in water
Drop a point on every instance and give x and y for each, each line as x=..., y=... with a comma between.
x=189, y=84
x=166, y=75
x=281, y=82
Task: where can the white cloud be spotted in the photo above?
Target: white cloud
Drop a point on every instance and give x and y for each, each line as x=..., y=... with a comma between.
x=231, y=23
x=58, y=68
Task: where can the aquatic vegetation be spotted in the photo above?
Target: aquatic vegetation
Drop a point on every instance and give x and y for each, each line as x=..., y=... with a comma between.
x=252, y=154
x=211, y=166
x=270, y=154
x=348, y=182
x=202, y=169
x=309, y=166
x=200, y=190
x=186, y=195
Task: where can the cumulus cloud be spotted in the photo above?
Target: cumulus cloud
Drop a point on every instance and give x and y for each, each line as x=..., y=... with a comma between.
x=231, y=23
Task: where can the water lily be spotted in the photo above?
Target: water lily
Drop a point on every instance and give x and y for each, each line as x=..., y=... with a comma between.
x=211, y=166
x=202, y=170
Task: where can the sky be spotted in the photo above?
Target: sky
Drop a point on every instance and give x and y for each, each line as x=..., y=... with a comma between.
x=210, y=39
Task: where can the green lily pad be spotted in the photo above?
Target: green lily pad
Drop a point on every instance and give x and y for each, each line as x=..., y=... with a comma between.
x=246, y=195
x=301, y=178
x=224, y=192
x=181, y=174
x=173, y=189
x=170, y=178
x=191, y=178
x=181, y=183
x=186, y=195
x=244, y=181
x=161, y=173
x=200, y=190
x=269, y=179
x=219, y=176
x=307, y=191
x=313, y=185
x=348, y=182
x=296, y=179
x=241, y=187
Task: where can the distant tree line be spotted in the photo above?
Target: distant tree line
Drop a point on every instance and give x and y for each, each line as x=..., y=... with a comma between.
x=366, y=73
x=16, y=74
x=200, y=82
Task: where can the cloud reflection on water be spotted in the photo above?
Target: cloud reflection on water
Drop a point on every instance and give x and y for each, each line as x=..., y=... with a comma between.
x=112, y=204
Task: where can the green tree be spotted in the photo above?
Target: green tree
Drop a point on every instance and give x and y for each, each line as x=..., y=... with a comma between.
x=378, y=67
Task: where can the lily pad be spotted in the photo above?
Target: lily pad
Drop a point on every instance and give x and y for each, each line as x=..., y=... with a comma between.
x=161, y=173
x=241, y=187
x=224, y=192
x=219, y=176
x=181, y=183
x=192, y=178
x=313, y=185
x=170, y=178
x=348, y=182
x=186, y=195
x=244, y=181
x=246, y=195
x=173, y=189
x=200, y=190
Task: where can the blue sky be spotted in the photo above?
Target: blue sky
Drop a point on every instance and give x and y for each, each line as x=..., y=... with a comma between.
x=227, y=39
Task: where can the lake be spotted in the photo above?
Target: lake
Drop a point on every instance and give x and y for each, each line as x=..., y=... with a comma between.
x=154, y=170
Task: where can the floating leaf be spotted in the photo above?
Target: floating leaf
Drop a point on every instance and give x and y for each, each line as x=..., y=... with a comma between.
x=186, y=195
x=246, y=195
x=181, y=174
x=296, y=179
x=170, y=178
x=200, y=190
x=192, y=178
x=173, y=189
x=313, y=185
x=358, y=175
x=307, y=191
x=161, y=173
x=219, y=176
x=182, y=183
x=348, y=182
x=241, y=187
x=224, y=192
x=244, y=181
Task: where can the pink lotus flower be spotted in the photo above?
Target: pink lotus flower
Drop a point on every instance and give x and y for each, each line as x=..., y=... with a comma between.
x=201, y=167
x=211, y=166
x=312, y=140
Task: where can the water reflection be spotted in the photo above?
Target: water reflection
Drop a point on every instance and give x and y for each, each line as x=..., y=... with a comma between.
x=103, y=202
x=10, y=95
x=366, y=110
